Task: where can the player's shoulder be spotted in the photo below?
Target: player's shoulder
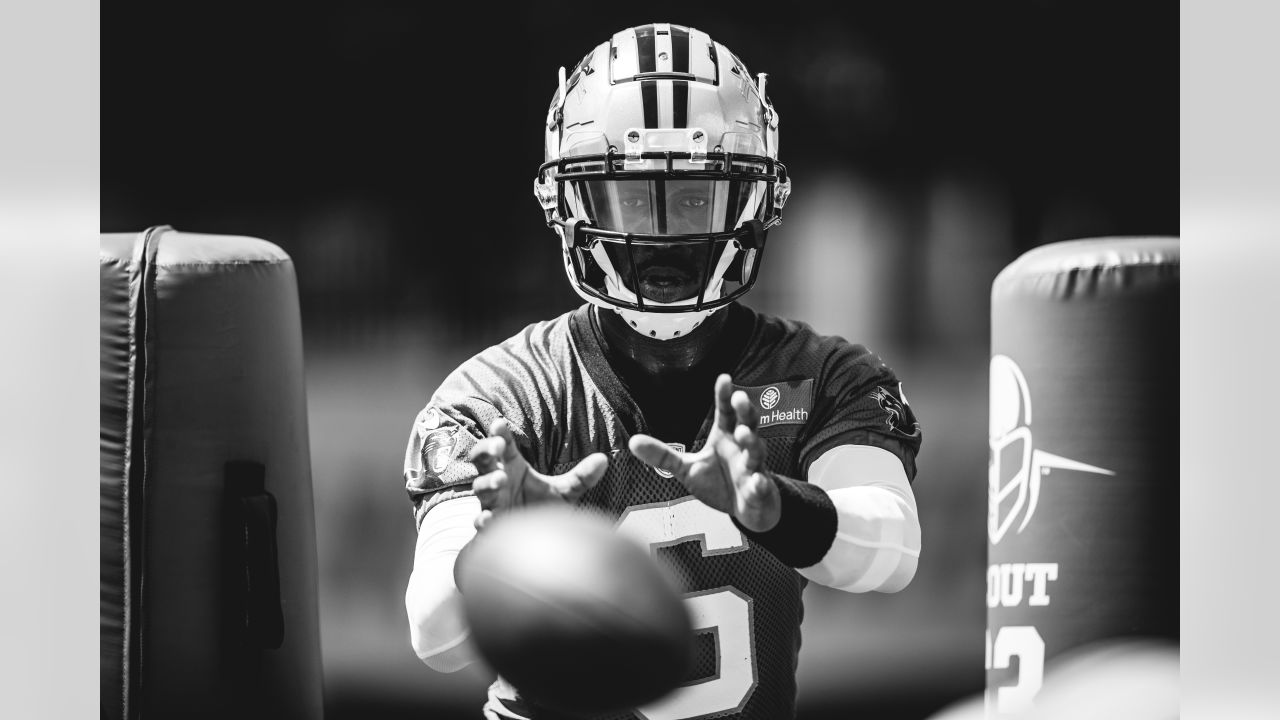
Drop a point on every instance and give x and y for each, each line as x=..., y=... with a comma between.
x=515, y=379
x=542, y=341
x=531, y=357
x=795, y=344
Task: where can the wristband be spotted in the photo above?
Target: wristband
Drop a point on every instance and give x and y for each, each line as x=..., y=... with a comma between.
x=806, y=526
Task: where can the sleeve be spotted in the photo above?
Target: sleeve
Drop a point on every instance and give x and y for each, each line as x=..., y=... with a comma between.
x=860, y=401
x=435, y=461
x=437, y=621
x=876, y=544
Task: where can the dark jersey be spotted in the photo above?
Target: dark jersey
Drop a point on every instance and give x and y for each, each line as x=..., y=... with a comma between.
x=556, y=385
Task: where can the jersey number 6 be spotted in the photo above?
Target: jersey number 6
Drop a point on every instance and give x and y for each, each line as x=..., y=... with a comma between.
x=724, y=611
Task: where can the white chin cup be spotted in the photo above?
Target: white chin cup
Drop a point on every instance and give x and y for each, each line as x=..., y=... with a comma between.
x=658, y=325
x=663, y=326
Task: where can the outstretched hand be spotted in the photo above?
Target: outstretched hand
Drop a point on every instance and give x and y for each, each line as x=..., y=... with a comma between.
x=726, y=472
x=506, y=480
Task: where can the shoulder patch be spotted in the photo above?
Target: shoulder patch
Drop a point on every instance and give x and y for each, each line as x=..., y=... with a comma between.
x=898, y=415
x=437, y=448
x=437, y=451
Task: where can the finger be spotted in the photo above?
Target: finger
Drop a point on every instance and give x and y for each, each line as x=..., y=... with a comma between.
x=584, y=476
x=490, y=481
x=745, y=410
x=513, y=462
x=751, y=486
x=502, y=429
x=485, y=453
x=483, y=519
x=756, y=493
x=488, y=488
x=752, y=447
x=724, y=406
x=657, y=453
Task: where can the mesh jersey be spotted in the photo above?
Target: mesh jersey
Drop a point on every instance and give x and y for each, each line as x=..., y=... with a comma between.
x=553, y=383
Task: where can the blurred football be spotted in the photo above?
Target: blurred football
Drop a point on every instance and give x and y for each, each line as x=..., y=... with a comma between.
x=575, y=616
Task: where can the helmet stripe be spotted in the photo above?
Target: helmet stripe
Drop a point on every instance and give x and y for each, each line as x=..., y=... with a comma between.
x=649, y=99
x=680, y=104
x=679, y=49
x=645, y=49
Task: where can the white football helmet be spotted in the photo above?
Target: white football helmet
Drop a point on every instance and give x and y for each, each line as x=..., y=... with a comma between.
x=661, y=176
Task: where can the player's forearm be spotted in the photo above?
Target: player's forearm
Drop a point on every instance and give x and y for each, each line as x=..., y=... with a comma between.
x=437, y=625
x=877, y=540
x=877, y=543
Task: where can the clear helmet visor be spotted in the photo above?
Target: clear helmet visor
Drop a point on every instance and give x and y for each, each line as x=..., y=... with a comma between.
x=666, y=206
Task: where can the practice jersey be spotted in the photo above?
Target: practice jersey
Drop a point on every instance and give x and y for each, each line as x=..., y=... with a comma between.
x=556, y=386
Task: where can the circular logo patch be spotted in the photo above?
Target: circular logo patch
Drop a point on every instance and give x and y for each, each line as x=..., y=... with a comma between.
x=770, y=397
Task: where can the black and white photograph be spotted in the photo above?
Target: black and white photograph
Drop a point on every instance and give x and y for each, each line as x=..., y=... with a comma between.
x=658, y=361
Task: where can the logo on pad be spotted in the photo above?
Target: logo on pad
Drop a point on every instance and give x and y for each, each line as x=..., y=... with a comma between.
x=1015, y=466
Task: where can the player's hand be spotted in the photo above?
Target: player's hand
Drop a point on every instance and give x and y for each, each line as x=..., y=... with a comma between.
x=507, y=481
x=727, y=473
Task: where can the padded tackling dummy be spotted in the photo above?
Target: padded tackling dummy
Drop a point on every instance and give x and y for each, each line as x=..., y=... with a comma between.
x=1083, y=504
x=208, y=556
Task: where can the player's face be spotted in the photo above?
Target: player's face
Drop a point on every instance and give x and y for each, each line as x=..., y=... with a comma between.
x=684, y=208
x=664, y=272
x=672, y=272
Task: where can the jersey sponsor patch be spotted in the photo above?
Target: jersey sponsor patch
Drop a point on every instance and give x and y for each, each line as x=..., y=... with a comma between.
x=898, y=416
x=782, y=403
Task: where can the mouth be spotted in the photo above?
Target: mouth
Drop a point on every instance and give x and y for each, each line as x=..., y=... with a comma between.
x=664, y=276
x=664, y=283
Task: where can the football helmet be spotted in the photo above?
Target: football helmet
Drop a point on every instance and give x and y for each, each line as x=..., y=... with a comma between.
x=661, y=176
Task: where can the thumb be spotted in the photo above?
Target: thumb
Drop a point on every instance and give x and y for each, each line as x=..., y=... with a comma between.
x=584, y=476
x=657, y=453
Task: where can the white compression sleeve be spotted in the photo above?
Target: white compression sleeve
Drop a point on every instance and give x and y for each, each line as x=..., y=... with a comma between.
x=437, y=627
x=877, y=543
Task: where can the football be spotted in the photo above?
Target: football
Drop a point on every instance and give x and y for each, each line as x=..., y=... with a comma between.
x=575, y=616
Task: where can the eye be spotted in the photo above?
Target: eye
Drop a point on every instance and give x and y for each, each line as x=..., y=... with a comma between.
x=693, y=202
x=634, y=202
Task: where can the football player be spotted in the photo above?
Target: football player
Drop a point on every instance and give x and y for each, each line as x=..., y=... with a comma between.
x=752, y=453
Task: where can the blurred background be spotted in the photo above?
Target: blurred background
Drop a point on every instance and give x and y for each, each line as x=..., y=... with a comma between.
x=390, y=149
